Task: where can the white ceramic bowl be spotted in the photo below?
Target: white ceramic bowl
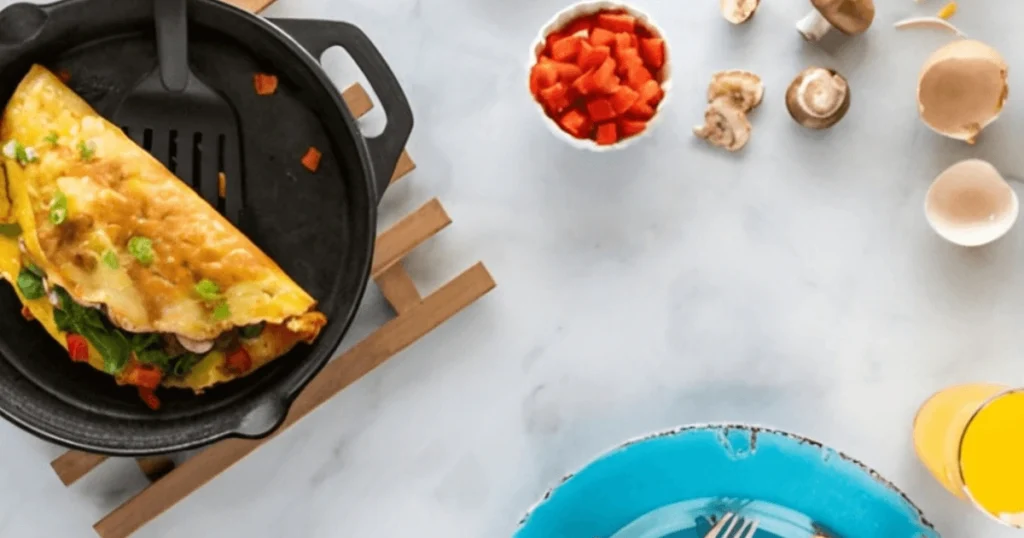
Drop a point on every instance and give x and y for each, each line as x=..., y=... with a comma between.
x=563, y=18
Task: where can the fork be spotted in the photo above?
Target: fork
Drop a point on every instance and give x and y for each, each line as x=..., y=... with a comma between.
x=733, y=526
x=187, y=125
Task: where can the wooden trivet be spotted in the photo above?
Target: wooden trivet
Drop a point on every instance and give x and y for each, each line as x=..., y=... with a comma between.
x=416, y=316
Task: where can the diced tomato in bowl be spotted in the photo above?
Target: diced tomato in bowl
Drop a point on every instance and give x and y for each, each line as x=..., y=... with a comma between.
x=599, y=72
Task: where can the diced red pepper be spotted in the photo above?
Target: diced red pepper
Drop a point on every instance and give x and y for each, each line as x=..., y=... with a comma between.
x=617, y=22
x=142, y=375
x=623, y=98
x=606, y=134
x=641, y=110
x=626, y=58
x=542, y=75
x=149, y=398
x=650, y=92
x=602, y=37
x=549, y=42
x=265, y=84
x=575, y=123
x=600, y=110
x=555, y=98
x=238, y=361
x=584, y=85
x=653, y=52
x=629, y=128
x=604, y=77
x=26, y=313
x=623, y=41
x=593, y=56
x=583, y=24
x=78, y=347
x=567, y=72
x=637, y=76
x=311, y=160
x=566, y=49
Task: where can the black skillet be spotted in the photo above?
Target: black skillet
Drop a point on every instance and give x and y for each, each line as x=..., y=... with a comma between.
x=319, y=227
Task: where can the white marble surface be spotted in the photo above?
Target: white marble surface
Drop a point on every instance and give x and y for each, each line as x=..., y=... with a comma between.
x=795, y=284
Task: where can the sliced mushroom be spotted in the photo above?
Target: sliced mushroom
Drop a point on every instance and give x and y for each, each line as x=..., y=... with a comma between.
x=850, y=17
x=744, y=88
x=725, y=125
x=962, y=89
x=195, y=346
x=818, y=98
x=738, y=11
x=970, y=204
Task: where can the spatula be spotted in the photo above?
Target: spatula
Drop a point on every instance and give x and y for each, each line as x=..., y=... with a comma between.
x=183, y=122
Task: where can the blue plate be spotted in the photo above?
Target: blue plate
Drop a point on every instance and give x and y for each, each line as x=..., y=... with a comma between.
x=675, y=483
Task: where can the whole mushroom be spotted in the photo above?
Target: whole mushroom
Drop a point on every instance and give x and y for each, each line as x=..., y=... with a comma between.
x=818, y=98
x=850, y=17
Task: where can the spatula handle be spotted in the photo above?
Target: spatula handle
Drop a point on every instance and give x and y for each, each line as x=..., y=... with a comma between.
x=172, y=42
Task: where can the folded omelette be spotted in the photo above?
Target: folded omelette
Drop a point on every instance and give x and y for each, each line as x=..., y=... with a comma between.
x=124, y=264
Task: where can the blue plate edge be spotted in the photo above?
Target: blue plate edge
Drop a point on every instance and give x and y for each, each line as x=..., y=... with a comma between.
x=725, y=428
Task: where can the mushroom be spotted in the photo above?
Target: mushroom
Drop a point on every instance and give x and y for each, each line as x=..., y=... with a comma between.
x=970, y=204
x=195, y=346
x=725, y=125
x=738, y=11
x=962, y=89
x=818, y=98
x=850, y=17
x=731, y=94
x=745, y=88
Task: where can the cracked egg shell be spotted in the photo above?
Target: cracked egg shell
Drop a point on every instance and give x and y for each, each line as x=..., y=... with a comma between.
x=962, y=89
x=970, y=204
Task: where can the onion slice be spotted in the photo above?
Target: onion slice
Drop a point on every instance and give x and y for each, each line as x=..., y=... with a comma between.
x=933, y=22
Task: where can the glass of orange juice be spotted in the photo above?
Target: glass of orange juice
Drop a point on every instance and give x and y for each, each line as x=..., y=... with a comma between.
x=971, y=438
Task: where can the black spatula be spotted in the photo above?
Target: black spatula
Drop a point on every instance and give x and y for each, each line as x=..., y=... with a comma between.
x=183, y=122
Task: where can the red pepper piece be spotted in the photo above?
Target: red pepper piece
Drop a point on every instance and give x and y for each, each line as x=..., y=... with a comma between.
x=238, y=361
x=78, y=347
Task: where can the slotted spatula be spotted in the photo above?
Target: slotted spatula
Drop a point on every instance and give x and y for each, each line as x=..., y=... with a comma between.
x=183, y=122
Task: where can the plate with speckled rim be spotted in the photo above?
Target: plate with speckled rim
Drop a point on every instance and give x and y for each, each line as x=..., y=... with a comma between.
x=674, y=484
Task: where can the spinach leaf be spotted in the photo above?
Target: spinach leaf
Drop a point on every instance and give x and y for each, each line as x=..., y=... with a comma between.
x=111, y=343
x=30, y=284
x=185, y=363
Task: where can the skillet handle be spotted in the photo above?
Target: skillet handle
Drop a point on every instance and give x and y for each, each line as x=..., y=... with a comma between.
x=316, y=36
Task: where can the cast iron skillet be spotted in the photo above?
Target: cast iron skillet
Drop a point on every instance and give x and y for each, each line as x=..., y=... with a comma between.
x=319, y=227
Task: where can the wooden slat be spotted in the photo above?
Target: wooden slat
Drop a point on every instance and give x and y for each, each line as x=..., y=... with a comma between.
x=407, y=234
x=368, y=354
x=398, y=288
x=73, y=464
x=357, y=100
x=254, y=6
x=404, y=167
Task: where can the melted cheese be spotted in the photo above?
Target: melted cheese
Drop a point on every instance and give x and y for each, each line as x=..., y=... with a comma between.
x=121, y=192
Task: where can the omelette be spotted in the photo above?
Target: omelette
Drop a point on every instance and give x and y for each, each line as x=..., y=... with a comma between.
x=123, y=263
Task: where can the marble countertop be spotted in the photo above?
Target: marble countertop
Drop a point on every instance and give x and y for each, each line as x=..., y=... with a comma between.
x=795, y=284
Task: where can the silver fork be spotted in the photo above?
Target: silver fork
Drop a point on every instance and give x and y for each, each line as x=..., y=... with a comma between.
x=733, y=526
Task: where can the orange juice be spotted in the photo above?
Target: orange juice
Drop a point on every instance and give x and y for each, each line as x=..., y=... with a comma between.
x=970, y=438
